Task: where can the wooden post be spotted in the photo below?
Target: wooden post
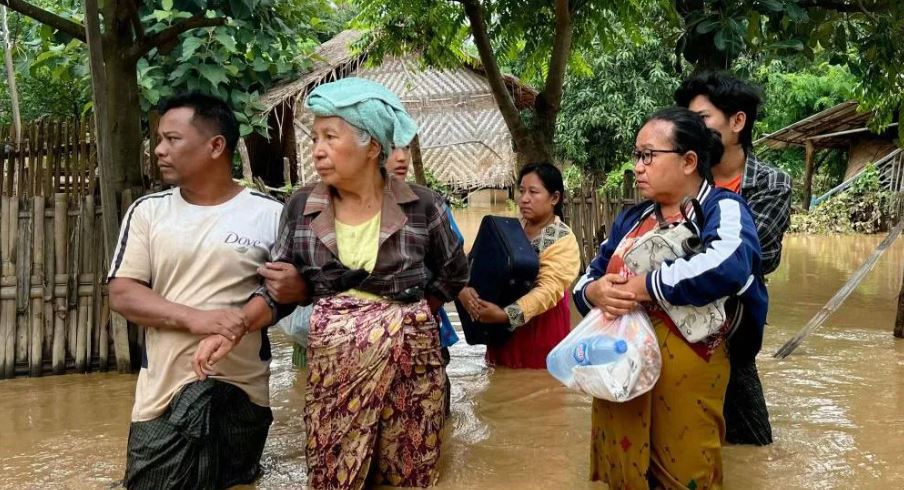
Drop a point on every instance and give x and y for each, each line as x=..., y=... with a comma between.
x=417, y=161
x=60, y=224
x=36, y=358
x=899, y=318
x=809, y=151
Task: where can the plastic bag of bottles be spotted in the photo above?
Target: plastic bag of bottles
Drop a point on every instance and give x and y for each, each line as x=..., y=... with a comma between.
x=298, y=324
x=623, y=375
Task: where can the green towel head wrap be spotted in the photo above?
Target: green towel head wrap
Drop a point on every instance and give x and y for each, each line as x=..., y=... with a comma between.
x=367, y=105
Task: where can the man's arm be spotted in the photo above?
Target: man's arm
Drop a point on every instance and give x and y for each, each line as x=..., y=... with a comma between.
x=771, y=209
x=141, y=304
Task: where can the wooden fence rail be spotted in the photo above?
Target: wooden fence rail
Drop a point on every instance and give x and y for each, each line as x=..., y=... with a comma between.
x=54, y=312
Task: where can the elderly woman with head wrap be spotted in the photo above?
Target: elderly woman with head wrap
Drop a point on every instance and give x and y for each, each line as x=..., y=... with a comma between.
x=380, y=259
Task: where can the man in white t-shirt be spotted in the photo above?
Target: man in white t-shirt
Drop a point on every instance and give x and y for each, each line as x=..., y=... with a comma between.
x=186, y=268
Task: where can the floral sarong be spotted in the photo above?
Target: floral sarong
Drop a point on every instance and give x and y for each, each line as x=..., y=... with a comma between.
x=374, y=402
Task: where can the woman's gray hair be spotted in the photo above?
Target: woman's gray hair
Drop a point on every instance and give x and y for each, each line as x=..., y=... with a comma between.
x=364, y=139
x=363, y=136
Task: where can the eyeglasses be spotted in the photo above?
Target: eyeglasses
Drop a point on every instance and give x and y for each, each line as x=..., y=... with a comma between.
x=646, y=156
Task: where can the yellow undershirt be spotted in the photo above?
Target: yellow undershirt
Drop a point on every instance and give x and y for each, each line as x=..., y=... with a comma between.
x=358, y=248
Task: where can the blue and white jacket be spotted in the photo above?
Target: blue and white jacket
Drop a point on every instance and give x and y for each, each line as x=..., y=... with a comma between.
x=729, y=267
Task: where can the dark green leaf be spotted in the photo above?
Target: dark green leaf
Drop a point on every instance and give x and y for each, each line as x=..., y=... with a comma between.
x=214, y=74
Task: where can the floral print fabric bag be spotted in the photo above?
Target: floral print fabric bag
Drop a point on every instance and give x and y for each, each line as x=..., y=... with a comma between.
x=670, y=242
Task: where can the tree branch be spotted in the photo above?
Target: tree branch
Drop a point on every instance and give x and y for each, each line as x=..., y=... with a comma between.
x=136, y=20
x=59, y=23
x=842, y=6
x=147, y=43
x=523, y=141
x=869, y=14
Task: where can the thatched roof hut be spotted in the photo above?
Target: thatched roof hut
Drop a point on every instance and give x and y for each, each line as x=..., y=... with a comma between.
x=464, y=140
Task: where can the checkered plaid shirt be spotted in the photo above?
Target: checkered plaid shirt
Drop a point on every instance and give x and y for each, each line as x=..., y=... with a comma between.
x=419, y=254
x=768, y=193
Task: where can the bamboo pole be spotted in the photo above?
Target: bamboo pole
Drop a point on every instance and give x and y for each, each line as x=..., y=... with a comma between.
x=49, y=272
x=6, y=290
x=839, y=296
x=36, y=344
x=97, y=288
x=85, y=282
x=9, y=167
x=103, y=348
x=55, y=159
x=61, y=220
x=8, y=283
x=75, y=234
x=23, y=292
x=66, y=164
x=84, y=156
x=19, y=174
x=91, y=151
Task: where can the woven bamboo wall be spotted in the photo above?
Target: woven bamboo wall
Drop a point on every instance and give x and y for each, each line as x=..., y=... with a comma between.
x=464, y=140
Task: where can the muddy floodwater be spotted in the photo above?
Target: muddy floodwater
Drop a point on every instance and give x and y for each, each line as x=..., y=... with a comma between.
x=837, y=403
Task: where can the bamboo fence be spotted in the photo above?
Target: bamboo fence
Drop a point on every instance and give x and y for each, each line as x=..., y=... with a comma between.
x=54, y=311
x=590, y=214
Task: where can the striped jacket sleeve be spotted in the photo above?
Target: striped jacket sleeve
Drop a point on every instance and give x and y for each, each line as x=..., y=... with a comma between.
x=727, y=267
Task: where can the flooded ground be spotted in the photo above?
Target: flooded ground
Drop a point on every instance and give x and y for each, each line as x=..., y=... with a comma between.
x=836, y=403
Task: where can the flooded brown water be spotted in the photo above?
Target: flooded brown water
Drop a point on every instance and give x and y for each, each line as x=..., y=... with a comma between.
x=836, y=403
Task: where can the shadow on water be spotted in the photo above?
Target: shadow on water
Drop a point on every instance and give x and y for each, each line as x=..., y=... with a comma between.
x=835, y=403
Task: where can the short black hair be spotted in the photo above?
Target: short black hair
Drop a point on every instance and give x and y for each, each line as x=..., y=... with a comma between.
x=729, y=94
x=689, y=133
x=212, y=111
x=552, y=181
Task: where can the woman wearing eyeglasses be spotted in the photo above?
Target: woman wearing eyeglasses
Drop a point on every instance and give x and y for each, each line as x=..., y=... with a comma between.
x=671, y=436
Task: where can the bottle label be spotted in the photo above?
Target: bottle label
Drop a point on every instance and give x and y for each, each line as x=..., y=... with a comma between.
x=580, y=353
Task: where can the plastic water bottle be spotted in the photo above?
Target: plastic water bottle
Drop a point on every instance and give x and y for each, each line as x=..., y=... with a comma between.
x=596, y=350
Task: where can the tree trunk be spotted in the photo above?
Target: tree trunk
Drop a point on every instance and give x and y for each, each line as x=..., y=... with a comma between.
x=11, y=76
x=417, y=161
x=113, y=123
x=525, y=140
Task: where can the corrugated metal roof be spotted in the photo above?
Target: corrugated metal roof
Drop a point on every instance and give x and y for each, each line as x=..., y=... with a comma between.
x=842, y=117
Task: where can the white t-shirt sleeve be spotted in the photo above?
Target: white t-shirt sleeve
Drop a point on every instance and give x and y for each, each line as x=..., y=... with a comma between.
x=132, y=258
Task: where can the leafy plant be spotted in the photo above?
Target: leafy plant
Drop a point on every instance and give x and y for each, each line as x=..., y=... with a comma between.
x=862, y=208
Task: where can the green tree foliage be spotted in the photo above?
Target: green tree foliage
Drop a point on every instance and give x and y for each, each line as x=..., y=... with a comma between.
x=864, y=35
x=602, y=113
x=259, y=43
x=862, y=208
x=537, y=39
x=794, y=92
x=58, y=90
